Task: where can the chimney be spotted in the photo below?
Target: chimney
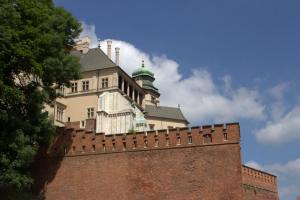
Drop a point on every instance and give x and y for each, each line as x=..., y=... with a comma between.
x=99, y=43
x=109, y=48
x=83, y=44
x=117, y=56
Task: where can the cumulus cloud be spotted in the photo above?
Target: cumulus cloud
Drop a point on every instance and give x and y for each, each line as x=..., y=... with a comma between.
x=89, y=30
x=198, y=94
x=282, y=130
x=286, y=171
x=200, y=98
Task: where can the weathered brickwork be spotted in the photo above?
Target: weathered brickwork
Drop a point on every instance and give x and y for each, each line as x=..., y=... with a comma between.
x=197, y=163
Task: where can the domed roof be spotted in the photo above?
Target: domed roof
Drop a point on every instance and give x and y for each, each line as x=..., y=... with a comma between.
x=142, y=71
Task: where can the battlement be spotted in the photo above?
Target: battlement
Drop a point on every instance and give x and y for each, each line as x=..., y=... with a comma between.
x=260, y=179
x=71, y=141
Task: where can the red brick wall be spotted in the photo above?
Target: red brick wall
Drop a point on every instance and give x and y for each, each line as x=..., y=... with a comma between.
x=259, y=185
x=147, y=170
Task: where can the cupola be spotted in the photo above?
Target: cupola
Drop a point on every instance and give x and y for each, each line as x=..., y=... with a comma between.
x=145, y=78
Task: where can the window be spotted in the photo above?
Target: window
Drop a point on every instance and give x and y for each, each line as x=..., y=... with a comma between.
x=124, y=146
x=145, y=143
x=90, y=113
x=85, y=85
x=82, y=124
x=105, y=83
x=170, y=127
x=178, y=140
x=74, y=87
x=69, y=119
x=190, y=139
x=134, y=144
x=94, y=148
x=225, y=136
x=156, y=142
x=207, y=138
x=167, y=141
x=59, y=113
x=151, y=127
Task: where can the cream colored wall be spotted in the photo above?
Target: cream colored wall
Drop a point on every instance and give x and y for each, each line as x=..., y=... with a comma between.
x=95, y=81
x=147, y=100
x=164, y=123
x=77, y=106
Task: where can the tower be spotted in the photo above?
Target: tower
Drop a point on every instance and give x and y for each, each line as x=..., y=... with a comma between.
x=145, y=78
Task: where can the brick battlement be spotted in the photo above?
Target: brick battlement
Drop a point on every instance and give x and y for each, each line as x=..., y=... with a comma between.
x=71, y=141
x=260, y=179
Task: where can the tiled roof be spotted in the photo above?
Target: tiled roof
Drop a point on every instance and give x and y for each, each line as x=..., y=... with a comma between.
x=94, y=59
x=165, y=112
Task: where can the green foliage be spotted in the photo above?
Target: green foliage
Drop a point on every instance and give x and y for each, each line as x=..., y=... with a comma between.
x=35, y=41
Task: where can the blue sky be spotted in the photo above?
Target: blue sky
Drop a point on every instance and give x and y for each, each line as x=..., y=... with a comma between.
x=235, y=60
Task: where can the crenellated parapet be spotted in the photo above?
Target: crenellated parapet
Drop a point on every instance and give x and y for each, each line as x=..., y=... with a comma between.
x=73, y=141
x=260, y=179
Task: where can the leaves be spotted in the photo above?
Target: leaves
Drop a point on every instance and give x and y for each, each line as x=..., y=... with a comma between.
x=35, y=41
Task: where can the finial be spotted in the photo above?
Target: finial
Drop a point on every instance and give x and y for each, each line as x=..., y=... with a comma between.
x=99, y=44
x=143, y=65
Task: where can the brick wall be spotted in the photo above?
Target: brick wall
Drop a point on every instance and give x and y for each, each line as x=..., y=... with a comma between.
x=201, y=163
x=258, y=185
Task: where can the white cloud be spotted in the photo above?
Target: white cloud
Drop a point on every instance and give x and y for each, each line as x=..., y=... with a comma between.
x=283, y=130
x=288, y=171
x=255, y=165
x=198, y=95
x=200, y=98
x=291, y=168
x=89, y=30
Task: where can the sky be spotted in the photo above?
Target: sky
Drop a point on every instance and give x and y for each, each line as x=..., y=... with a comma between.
x=221, y=61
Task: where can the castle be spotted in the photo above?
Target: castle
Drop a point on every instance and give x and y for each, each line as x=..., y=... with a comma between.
x=117, y=101
x=95, y=155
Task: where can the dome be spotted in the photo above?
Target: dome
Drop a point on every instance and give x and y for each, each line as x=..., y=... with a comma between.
x=142, y=71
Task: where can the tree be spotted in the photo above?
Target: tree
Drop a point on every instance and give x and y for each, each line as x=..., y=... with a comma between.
x=35, y=40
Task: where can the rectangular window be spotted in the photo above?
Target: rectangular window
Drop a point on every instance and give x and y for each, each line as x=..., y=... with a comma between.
x=90, y=113
x=82, y=124
x=151, y=127
x=59, y=113
x=104, y=83
x=74, y=87
x=85, y=85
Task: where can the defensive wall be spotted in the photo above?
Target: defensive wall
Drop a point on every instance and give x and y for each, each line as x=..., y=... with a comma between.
x=198, y=163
